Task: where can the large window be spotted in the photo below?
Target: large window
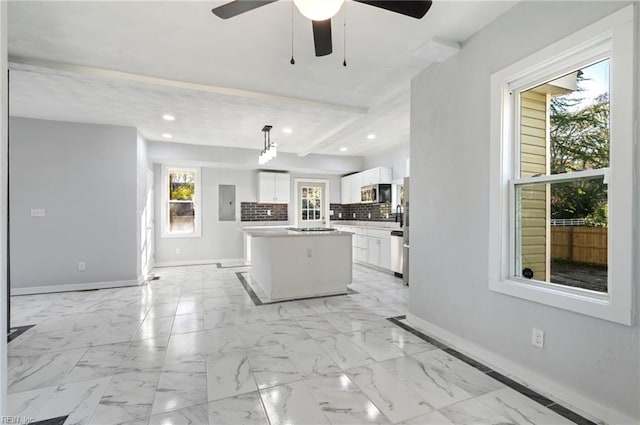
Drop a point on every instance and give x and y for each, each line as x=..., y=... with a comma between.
x=181, y=212
x=562, y=168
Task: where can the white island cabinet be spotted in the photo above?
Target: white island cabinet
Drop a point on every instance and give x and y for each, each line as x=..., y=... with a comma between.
x=288, y=264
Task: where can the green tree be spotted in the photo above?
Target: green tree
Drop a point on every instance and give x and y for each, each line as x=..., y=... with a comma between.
x=182, y=186
x=579, y=140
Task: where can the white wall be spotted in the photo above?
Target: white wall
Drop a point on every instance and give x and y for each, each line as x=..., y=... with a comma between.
x=394, y=157
x=220, y=239
x=3, y=208
x=594, y=360
x=84, y=176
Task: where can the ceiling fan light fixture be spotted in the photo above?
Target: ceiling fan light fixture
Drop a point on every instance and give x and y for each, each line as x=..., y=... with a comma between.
x=318, y=10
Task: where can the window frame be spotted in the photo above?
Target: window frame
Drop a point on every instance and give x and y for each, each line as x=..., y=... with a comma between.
x=165, y=225
x=610, y=37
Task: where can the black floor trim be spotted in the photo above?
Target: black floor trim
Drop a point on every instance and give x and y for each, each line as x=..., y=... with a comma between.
x=220, y=266
x=53, y=421
x=525, y=391
x=17, y=331
x=257, y=301
x=247, y=288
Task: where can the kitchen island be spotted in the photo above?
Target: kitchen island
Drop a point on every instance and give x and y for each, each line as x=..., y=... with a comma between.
x=290, y=264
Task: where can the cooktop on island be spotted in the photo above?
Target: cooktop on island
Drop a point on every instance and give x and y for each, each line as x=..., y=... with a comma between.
x=311, y=229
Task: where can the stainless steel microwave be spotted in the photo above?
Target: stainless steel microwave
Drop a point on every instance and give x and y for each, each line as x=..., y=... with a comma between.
x=376, y=194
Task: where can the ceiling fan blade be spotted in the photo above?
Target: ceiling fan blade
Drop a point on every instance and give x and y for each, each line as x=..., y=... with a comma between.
x=416, y=9
x=237, y=7
x=322, y=37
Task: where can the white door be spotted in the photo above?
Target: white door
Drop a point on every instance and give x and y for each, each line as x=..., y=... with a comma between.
x=311, y=204
x=147, y=248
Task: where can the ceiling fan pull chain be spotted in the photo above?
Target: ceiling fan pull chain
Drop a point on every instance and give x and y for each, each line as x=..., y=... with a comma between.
x=292, y=61
x=344, y=36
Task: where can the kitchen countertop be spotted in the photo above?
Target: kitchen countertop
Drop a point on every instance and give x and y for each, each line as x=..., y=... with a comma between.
x=261, y=231
x=384, y=225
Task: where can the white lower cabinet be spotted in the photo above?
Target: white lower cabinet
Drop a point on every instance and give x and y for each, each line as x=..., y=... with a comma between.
x=385, y=254
x=362, y=254
x=374, y=251
x=371, y=246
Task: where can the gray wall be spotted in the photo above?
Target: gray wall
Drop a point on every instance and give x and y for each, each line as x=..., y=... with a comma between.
x=394, y=157
x=449, y=266
x=84, y=176
x=221, y=157
x=4, y=302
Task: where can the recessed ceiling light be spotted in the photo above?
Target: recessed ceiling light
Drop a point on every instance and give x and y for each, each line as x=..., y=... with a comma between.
x=287, y=130
x=168, y=117
x=167, y=135
x=343, y=149
x=371, y=136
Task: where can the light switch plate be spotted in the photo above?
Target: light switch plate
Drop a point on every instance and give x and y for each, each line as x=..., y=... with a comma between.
x=37, y=212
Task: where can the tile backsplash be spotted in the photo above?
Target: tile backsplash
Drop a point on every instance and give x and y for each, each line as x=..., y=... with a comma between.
x=363, y=212
x=252, y=211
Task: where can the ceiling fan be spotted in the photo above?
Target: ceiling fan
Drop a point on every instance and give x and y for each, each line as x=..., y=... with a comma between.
x=321, y=11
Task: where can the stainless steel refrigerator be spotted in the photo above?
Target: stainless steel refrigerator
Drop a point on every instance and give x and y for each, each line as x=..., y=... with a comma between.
x=406, y=232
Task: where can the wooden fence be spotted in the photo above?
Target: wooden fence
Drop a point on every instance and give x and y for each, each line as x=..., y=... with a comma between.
x=579, y=244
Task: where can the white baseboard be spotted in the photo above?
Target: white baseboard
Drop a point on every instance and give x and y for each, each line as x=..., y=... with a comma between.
x=553, y=390
x=73, y=287
x=194, y=262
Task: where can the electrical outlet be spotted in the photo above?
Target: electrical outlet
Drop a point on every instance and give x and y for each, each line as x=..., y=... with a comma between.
x=37, y=212
x=82, y=266
x=339, y=215
x=369, y=215
x=178, y=251
x=537, y=338
x=268, y=212
x=354, y=215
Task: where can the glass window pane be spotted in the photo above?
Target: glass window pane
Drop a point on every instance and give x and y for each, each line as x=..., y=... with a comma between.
x=304, y=214
x=317, y=215
x=181, y=186
x=304, y=192
x=304, y=203
x=182, y=217
x=564, y=123
x=562, y=233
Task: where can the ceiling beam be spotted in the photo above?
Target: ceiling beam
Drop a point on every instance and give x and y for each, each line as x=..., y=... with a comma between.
x=46, y=66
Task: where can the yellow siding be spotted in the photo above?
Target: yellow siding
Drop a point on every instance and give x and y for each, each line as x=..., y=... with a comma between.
x=533, y=160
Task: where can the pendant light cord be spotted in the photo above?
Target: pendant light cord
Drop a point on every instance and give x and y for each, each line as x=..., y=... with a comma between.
x=292, y=61
x=344, y=36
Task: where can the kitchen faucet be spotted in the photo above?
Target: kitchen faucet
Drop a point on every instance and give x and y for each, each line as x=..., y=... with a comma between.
x=399, y=214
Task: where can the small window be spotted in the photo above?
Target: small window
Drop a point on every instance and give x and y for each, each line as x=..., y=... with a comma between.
x=311, y=208
x=181, y=212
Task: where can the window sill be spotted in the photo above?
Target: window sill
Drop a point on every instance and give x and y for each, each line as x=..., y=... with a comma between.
x=582, y=302
x=179, y=235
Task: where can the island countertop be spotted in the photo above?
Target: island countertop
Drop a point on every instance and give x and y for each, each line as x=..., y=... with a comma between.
x=283, y=231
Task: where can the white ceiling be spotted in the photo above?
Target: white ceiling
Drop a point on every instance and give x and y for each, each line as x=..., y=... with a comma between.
x=127, y=63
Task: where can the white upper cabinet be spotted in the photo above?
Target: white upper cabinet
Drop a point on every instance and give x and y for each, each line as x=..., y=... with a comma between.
x=274, y=188
x=350, y=185
x=376, y=175
x=345, y=190
x=356, y=185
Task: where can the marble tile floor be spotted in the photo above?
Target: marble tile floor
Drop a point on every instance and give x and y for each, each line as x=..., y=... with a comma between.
x=193, y=348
